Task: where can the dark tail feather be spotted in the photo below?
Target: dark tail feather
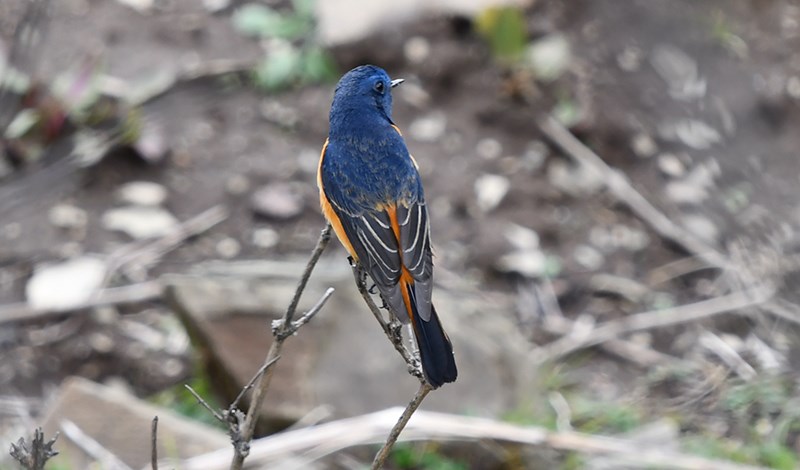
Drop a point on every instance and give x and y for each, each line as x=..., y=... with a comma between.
x=436, y=352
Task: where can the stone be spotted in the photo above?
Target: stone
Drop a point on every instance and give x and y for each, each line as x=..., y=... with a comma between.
x=67, y=216
x=265, y=237
x=120, y=423
x=549, y=56
x=228, y=247
x=670, y=165
x=682, y=192
x=489, y=149
x=140, y=222
x=65, y=285
x=490, y=191
x=643, y=145
x=428, y=128
x=417, y=49
x=142, y=193
x=588, y=257
x=575, y=180
x=279, y=201
x=679, y=71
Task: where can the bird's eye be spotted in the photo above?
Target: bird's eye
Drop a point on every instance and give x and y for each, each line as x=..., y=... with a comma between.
x=378, y=86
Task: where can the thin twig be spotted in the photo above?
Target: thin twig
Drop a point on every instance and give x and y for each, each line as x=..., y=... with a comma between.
x=283, y=333
x=246, y=388
x=654, y=319
x=380, y=458
x=392, y=332
x=204, y=403
x=154, y=443
x=241, y=443
x=622, y=189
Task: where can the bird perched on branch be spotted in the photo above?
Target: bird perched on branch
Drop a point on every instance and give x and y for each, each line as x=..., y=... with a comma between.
x=371, y=193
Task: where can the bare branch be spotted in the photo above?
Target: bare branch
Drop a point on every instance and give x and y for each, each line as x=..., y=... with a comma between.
x=244, y=427
x=252, y=382
x=204, y=403
x=380, y=458
x=654, y=319
x=154, y=444
x=391, y=330
x=284, y=333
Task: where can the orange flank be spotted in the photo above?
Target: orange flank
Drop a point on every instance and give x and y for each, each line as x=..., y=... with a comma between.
x=327, y=209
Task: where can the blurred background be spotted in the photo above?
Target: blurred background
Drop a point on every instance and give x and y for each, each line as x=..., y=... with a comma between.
x=614, y=204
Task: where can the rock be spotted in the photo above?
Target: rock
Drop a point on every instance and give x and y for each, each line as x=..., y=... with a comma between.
x=588, y=257
x=228, y=248
x=90, y=405
x=215, y=6
x=679, y=71
x=265, y=237
x=529, y=263
x=575, y=180
x=67, y=216
x=549, y=56
x=66, y=285
x=142, y=193
x=428, y=128
x=490, y=191
x=417, y=49
x=670, y=165
x=521, y=238
x=140, y=222
x=682, y=192
x=151, y=145
x=277, y=201
x=341, y=359
x=643, y=145
x=489, y=149
x=702, y=227
x=691, y=132
x=535, y=155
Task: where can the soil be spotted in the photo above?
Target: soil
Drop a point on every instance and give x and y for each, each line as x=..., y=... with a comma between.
x=220, y=139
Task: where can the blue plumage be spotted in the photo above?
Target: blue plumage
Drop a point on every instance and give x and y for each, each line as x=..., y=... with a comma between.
x=371, y=192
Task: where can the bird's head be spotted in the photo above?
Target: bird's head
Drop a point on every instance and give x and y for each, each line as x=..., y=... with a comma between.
x=364, y=89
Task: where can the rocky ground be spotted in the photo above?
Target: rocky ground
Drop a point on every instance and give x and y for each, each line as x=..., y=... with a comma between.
x=544, y=254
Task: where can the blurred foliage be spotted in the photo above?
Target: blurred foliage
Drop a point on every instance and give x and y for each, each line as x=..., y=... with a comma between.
x=179, y=399
x=423, y=457
x=292, y=56
x=504, y=28
x=771, y=454
x=600, y=417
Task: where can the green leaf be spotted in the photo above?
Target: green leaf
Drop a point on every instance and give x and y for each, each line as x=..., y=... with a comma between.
x=317, y=66
x=261, y=21
x=505, y=30
x=279, y=68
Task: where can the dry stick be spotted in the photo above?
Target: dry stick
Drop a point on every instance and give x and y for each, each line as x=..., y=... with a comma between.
x=392, y=332
x=93, y=448
x=655, y=319
x=380, y=458
x=325, y=439
x=624, y=192
x=154, y=443
x=241, y=445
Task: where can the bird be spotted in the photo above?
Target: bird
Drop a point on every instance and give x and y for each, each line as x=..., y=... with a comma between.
x=371, y=193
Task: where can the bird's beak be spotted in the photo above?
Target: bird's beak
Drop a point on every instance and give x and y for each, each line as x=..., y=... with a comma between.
x=397, y=82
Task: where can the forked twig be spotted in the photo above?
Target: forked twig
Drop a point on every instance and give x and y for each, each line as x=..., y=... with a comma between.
x=242, y=431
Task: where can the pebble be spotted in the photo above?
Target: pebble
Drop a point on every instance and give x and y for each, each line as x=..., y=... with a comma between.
x=489, y=149
x=575, y=180
x=529, y=263
x=702, y=227
x=691, y=132
x=65, y=285
x=428, y=128
x=549, y=56
x=140, y=222
x=490, y=191
x=521, y=238
x=67, y=216
x=236, y=185
x=152, y=143
x=588, y=257
x=535, y=155
x=417, y=49
x=670, y=165
x=679, y=71
x=228, y=248
x=101, y=342
x=142, y=193
x=215, y=6
x=682, y=192
x=278, y=201
x=643, y=145
x=265, y=237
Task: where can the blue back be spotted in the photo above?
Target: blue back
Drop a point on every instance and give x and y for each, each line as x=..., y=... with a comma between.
x=366, y=161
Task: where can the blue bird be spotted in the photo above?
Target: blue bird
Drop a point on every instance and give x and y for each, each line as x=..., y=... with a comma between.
x=371, y=193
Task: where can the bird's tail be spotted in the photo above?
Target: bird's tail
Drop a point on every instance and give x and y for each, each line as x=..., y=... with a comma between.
x=436, y=352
